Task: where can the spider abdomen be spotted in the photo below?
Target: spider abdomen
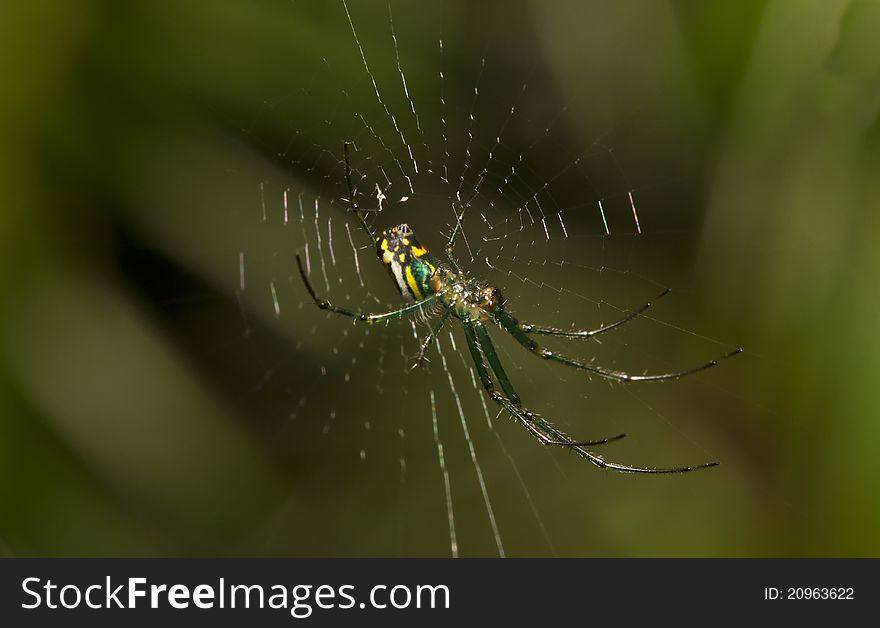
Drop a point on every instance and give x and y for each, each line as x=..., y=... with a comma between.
x=418, y=274
x=410, y=264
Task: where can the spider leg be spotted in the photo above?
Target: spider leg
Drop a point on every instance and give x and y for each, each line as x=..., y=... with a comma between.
x=476, y=336
x=450, y=243
x=544, y=431
x=453, y=261
x=435, y=329
x=369, y=318
x=459, y=216
x=525, y=417
x=352, y=206
x=513, y=327
x=589, y=333
x=450, y=246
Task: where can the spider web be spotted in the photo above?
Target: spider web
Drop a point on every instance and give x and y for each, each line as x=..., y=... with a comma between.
x=556, y=209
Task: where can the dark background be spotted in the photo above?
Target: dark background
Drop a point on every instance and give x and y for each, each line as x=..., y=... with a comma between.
x=149, y=406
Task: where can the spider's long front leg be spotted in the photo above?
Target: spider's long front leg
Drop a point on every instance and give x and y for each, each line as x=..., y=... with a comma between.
x=544, y=431
x=477, y=337
x=589, y=333
x=513, y=327
x=369, y=318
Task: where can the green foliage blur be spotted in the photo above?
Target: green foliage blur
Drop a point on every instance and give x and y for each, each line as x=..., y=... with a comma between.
x=139, y=417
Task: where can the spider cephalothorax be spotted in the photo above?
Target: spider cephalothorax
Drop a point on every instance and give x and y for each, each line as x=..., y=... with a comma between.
x=426, y=283
x=470, y=300
x=418, y=274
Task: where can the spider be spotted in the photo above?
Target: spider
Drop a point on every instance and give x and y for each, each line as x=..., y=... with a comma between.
x=425, y=281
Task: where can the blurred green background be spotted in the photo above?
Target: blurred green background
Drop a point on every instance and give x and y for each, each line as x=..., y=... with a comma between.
x=148, y=406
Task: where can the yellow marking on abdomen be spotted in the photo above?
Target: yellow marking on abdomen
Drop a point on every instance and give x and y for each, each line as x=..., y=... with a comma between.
x=411, y=282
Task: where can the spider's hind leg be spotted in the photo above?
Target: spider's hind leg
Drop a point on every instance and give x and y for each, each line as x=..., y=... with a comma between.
x=364, y=317
x=352, y=206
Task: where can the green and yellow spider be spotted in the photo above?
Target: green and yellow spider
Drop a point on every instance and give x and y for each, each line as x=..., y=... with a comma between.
x=425, y=281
